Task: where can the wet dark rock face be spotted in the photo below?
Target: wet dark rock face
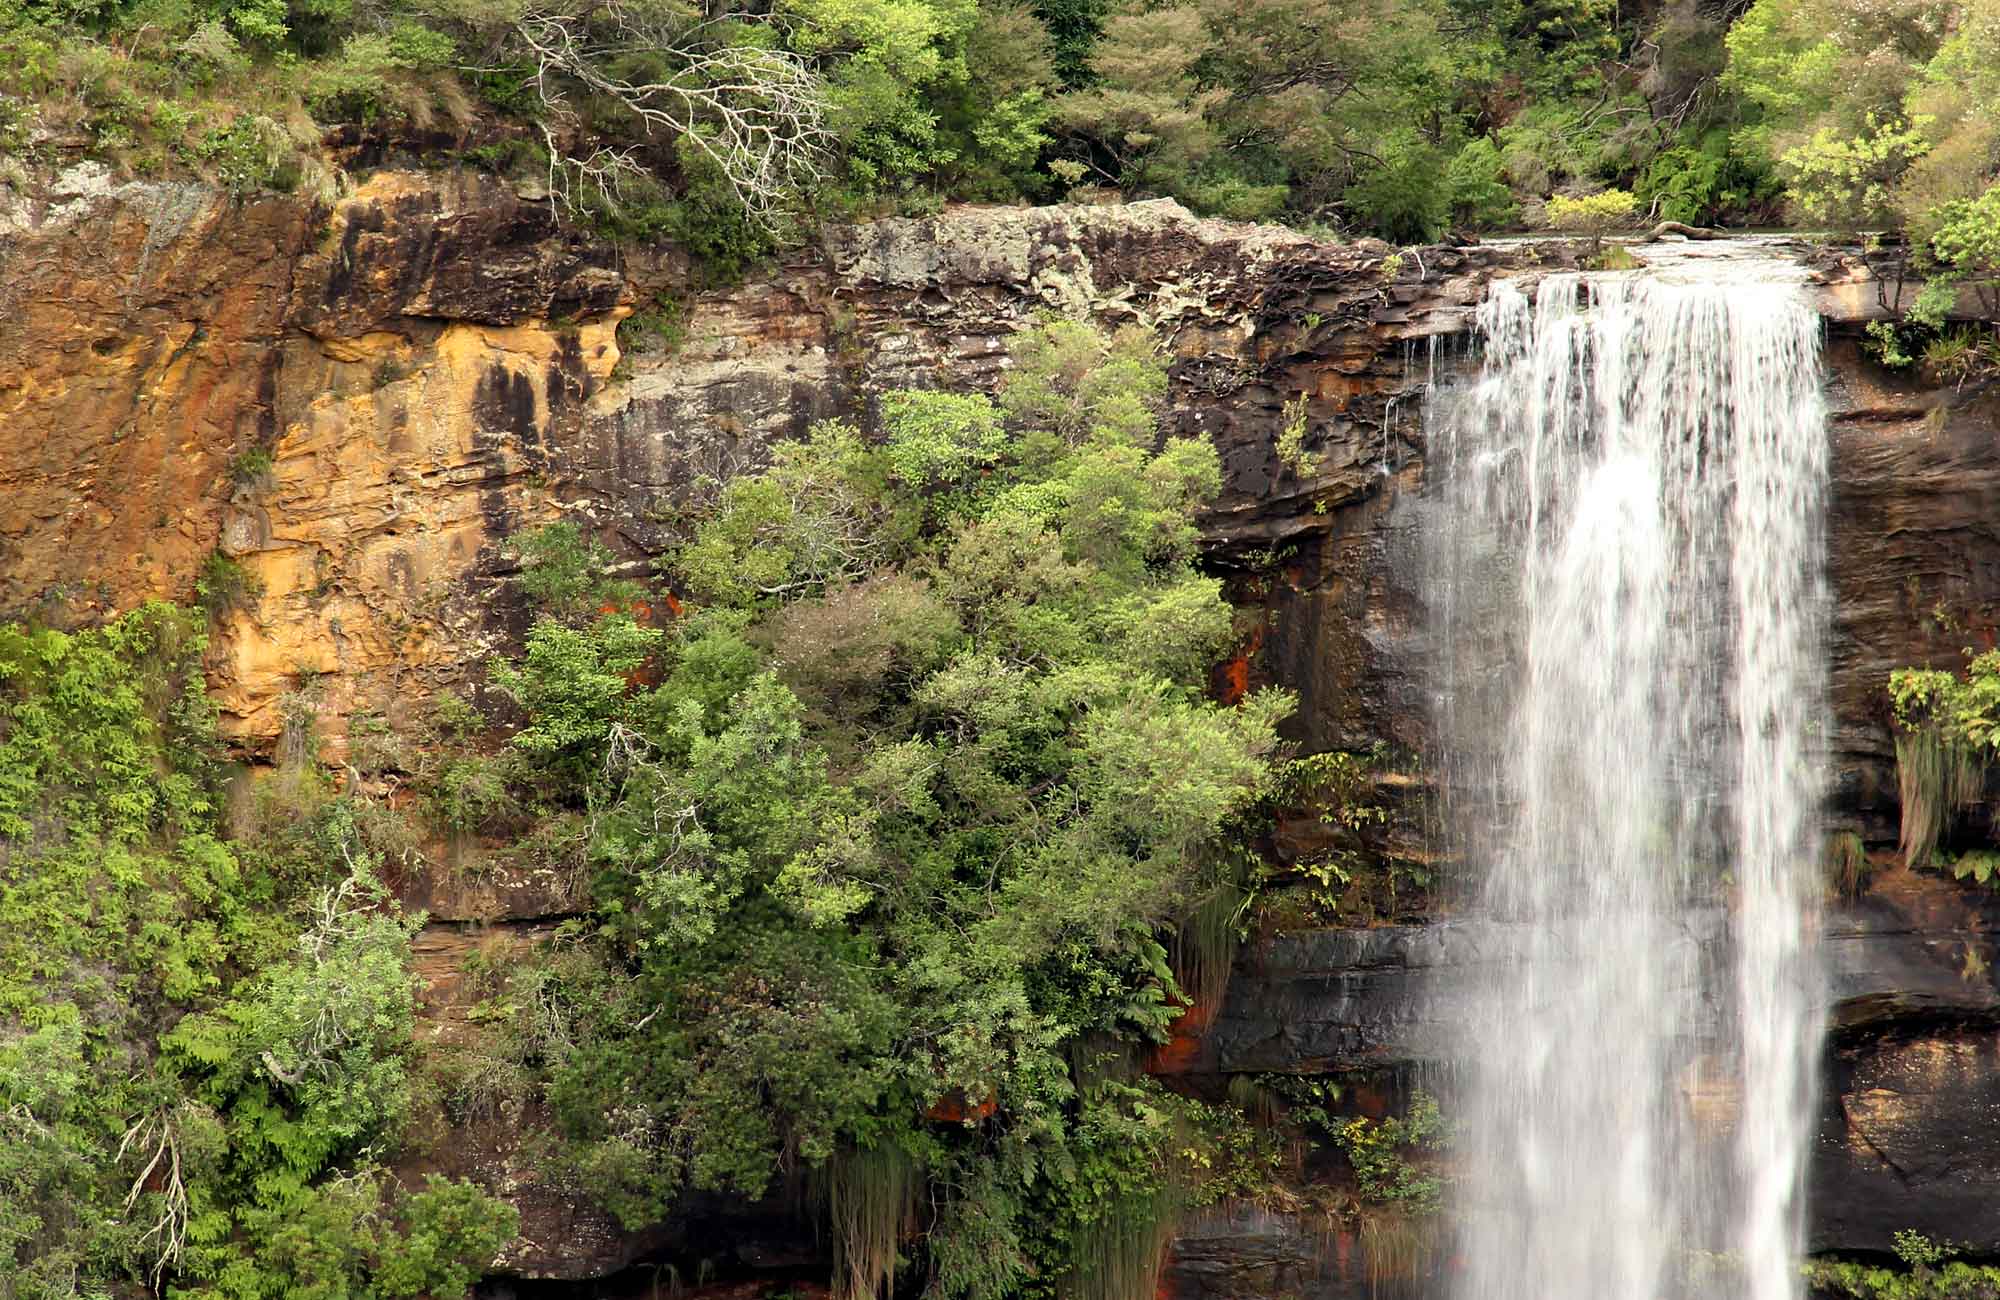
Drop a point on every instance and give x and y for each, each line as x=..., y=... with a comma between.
x=1909, y=1123
x=1242, y=1250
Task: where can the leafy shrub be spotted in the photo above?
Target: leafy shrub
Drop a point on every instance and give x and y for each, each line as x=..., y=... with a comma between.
x=563, y=574
x=250, y=154
x=1697, y=184
x=223, y=584
x=657, y=329
x=1947, y=728
x=1408, y=199
x=252, y=468
x=1593, y=214
x=930, y=767
x=1380, y=1152
x=1475, y=179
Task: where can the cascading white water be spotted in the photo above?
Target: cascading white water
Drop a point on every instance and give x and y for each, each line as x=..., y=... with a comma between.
x=1625, y=524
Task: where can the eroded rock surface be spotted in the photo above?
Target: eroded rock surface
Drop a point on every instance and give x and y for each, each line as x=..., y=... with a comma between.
x=431, y=365
x=1911, y=1086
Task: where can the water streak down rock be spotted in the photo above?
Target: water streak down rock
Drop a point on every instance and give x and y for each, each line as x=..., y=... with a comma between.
x=1628, y=508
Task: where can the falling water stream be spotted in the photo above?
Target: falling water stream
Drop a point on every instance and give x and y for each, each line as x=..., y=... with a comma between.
x=1626, y=556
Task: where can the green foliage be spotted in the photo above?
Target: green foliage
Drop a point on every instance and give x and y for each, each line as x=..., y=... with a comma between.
x=1847, y=865
x=199, y=1037
x=1947, y=727
x=657, y=329
x=248, y=154
x=817, y=516
x=1929, y=1272
x=1888, y=344
x=1406, y=199
x=1557, y=143
x=1336, y=880
x=572, y=682
x=896, y=831
x=1380, y=1152
x=563, y=574
x=1290, y=445
x=329, y=1030
x=1982, y=866
x=454, y=1232
x=1957, y=355
x=939, y=441
x=1964, y=249
x=1847, y=181
x=729, y=134
x=1918, y=1252
x=1880, y=114
x=1475, y=181
x=252, y=468
x=1699, y=183
x=222, y=584
x=1595, y=215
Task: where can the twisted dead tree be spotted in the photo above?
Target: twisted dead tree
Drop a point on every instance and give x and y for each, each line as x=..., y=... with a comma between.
x=156, y=1137
x=757, y=114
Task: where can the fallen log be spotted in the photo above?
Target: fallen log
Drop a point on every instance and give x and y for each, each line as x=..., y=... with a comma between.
x=1665, y=228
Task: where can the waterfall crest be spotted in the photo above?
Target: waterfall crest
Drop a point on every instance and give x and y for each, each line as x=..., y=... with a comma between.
x=1627, y=555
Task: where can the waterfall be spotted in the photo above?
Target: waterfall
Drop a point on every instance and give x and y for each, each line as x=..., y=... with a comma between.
x=1625, y=527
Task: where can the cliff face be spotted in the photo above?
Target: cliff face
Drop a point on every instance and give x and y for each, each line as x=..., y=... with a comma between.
x=359, y=405
x=429, y=366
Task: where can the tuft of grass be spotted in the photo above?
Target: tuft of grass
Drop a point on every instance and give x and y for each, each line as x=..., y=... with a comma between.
x=252, y=468
x=1847, y=865
x=658, y=329
x=223, y=584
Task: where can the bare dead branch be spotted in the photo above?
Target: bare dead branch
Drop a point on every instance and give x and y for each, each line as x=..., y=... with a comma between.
x=757, y=114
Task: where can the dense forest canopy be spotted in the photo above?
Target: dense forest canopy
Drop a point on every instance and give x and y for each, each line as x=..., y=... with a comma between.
x=725, y=125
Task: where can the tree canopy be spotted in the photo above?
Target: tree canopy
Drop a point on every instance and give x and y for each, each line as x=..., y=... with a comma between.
x=725, y=127
x=886, y=855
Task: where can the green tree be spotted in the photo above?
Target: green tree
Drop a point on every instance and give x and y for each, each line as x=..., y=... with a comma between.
x=895, y=831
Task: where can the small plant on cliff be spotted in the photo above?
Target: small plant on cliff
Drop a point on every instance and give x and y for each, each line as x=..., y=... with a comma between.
x=1291, y=444
x=565, y=575
x=1888, y=343
x=1386, y=1155
x=1335, y=790
x=1947, y=728
x=252, y=468
x=1981, y=866
x=223, y=584
x=657, y=329
x=1929, y=1272
x=1847, y=865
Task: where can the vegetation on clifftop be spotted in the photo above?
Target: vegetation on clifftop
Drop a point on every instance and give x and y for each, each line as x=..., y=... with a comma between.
x=723, y=126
